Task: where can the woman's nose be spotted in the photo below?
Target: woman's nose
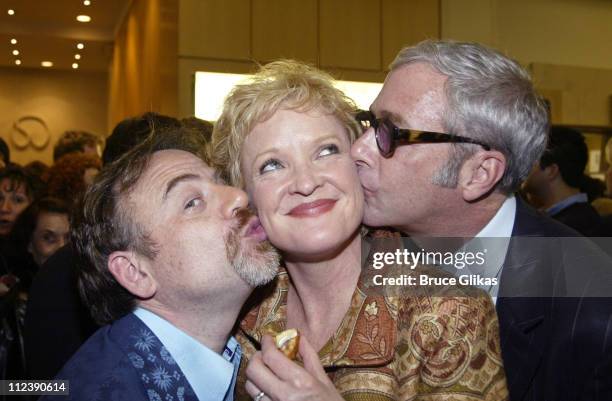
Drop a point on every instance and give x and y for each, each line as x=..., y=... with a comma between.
x=305, y=180
x=5, y=206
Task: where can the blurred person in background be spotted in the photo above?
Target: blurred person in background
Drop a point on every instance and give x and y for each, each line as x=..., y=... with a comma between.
x=77, y=142
x=17, y=191
x=37, y=169
x=40, y=230
x=603, y=205
x=70, y=176
x=39, y=172
x=555, y=181
x=5, y=154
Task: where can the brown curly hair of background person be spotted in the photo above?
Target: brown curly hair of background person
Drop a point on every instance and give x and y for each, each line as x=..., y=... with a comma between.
x=65, y=178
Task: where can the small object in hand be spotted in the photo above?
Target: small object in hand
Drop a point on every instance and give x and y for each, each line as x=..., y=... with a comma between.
x=288, y=342
x=259, y=396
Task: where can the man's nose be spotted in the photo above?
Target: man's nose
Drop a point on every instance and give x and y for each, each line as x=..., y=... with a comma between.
x=364, y=151
x=232, y=200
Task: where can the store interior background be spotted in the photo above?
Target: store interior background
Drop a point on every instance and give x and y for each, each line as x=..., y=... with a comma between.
x=142, y=55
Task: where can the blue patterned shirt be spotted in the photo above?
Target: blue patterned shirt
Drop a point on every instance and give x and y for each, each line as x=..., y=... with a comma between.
x=212, y=376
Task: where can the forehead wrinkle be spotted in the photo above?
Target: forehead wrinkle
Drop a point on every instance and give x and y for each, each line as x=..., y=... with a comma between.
x=417, y=96
x=174, y=182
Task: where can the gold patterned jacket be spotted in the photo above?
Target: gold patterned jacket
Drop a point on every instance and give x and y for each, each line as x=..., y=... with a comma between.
x=397, y=347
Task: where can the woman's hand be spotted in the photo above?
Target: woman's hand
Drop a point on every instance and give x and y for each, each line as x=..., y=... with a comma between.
x=283, y=380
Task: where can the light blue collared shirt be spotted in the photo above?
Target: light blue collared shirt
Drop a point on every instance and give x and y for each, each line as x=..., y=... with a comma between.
x=211, y=376
x=567, y=202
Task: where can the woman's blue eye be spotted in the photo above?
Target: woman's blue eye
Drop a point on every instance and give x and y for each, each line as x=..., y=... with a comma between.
x=270, y=165
x=329, y=150
x=193, y=203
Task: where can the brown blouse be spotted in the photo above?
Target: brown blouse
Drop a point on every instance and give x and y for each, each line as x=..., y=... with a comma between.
x=398, y=347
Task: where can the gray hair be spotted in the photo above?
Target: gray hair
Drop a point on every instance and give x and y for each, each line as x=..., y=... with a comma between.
x=489, y=98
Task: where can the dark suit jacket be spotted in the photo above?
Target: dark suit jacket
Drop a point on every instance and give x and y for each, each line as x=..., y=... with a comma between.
x=582, y=217
x=124, y=361
x=556, y=338
x=57, y=323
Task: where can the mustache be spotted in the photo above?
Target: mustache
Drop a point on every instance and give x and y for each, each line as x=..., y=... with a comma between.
x=242, y=218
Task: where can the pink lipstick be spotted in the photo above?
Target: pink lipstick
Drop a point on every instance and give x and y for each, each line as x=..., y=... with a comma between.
x=313, y=209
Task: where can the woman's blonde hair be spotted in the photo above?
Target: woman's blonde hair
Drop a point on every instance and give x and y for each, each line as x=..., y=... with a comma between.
x=283, y=84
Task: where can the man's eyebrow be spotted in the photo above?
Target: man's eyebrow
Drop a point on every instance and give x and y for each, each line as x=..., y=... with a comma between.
x=177, y=180
x=393, y=117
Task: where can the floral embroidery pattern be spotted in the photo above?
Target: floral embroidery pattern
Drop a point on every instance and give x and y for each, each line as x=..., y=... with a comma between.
x=161, y=378
x=136, y=360
x=153, y=396
x=378, y=346
x=159, y=372
x=180, y=393
x=165, y=355
x=144, y=341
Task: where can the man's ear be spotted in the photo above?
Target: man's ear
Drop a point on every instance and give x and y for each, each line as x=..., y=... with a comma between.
x=551, y=172
x=480, y=173
x=131, y=271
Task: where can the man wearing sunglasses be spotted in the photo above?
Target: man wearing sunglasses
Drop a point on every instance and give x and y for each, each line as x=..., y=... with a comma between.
x=454, y=131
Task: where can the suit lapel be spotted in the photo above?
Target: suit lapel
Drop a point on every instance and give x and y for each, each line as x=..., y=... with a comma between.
x=159, y=373
x=524, y=305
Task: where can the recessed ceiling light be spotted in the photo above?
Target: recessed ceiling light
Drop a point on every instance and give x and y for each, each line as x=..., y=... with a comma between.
x=47, y=64
x=13, y=41
x=75, y=66
x=86, y=2
x=80, y=46
x=18, y=62
x=11, y=11
x=15, y=52
x=83, y=18
x=77, y=56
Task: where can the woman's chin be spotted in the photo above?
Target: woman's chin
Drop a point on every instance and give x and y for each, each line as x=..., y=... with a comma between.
x=315, y=247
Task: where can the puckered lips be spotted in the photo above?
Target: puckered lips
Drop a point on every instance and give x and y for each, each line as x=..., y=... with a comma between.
x=255, y=230
x=312, y=209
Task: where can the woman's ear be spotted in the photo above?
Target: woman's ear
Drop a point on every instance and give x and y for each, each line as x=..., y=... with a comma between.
x=481, y=173
x=132, y=273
